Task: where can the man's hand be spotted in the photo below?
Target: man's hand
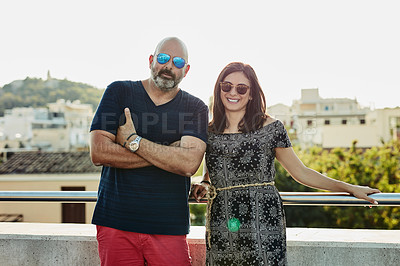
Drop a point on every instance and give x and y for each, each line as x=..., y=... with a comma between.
x=126, y=129
x=199, y=191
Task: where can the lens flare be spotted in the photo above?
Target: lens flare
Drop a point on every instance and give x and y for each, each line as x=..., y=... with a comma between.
x=233, y=225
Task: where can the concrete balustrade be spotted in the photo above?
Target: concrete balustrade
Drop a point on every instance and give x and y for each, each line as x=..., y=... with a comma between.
x=75, y=244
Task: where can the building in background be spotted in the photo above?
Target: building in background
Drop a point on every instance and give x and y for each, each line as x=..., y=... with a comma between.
x=283, y=113
x=16, y=126
x=310, y=121
x=336, y=122
x=63, y=126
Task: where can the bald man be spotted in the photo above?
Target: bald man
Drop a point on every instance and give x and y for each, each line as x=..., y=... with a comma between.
x=150, y=137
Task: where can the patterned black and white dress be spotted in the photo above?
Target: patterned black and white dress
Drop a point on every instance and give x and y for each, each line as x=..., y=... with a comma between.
x=247, y=222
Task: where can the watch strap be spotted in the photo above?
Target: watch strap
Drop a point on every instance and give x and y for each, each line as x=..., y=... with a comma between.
x=129, y=138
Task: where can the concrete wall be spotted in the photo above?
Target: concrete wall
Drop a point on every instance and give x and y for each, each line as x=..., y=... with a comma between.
x=343, y=247
x=75, y=244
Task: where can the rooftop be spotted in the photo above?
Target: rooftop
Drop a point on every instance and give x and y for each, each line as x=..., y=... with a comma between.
x=49, y=163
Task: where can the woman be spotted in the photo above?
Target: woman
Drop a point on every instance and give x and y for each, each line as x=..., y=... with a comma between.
x=245, y=221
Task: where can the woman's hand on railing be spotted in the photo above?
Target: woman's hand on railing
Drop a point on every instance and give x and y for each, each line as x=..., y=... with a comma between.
x=362, y=192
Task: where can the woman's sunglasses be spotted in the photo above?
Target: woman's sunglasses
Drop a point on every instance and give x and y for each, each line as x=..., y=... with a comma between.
x=227, y=87
x=162, y=58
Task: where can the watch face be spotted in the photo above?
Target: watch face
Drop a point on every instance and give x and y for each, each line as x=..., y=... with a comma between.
x=133, y=146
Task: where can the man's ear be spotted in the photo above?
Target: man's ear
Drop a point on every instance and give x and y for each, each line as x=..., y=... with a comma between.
x=187, y=70
x=151, y=58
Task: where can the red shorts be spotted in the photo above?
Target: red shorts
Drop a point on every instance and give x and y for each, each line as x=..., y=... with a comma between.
x=118, y=247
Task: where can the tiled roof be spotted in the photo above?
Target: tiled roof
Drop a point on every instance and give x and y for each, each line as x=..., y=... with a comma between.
x=49, y=163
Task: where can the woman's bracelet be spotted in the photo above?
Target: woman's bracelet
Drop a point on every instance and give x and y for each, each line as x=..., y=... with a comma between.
x=205, y=181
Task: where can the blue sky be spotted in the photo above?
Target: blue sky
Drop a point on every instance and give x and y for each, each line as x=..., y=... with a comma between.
x=347, y=49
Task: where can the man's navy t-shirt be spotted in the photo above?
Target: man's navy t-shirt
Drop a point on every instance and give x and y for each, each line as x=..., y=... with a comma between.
x=147, y=200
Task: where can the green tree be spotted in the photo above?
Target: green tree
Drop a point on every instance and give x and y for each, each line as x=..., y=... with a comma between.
x=375, y=167
x=34, y=92
x=8, y=101
x=198, y=213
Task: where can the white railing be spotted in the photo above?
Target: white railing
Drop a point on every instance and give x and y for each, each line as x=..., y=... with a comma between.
x=288, y=198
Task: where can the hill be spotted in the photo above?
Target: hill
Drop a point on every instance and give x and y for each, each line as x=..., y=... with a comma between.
x=36, y=92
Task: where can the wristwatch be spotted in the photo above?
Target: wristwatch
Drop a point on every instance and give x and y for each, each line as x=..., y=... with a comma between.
x=134, y=144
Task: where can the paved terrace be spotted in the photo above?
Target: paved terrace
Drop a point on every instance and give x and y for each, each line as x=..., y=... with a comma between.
x=75, y=244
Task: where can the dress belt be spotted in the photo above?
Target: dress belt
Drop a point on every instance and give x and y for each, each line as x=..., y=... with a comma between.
x=212, y=194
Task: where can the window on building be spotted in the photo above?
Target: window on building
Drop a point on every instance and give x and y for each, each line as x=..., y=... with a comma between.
x=56, y=114
x=344, y=122
x=37, y=126
x=327, y=122
x=309, y=123
x=362, y=121
x=394, y=123
x=326, y=108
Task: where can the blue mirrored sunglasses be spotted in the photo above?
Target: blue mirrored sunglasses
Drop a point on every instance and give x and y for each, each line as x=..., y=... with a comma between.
x=162, y=58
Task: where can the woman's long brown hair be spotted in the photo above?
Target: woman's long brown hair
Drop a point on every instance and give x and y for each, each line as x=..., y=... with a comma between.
x=255, y=115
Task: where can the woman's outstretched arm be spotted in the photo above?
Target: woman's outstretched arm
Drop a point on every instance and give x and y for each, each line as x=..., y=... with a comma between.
x=311, y=178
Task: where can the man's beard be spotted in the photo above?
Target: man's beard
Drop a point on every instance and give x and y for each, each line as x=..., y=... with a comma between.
x=163, y=83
